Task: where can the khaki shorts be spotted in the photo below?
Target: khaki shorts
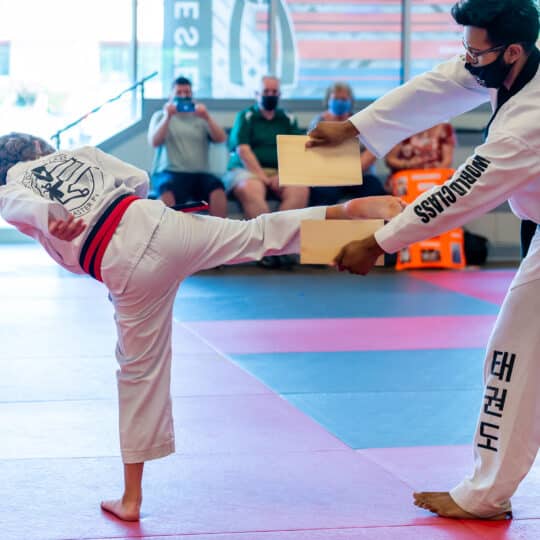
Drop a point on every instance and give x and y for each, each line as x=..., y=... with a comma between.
x=233, y=177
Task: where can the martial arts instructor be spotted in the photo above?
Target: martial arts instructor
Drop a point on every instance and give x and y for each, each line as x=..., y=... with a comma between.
x=501, y=65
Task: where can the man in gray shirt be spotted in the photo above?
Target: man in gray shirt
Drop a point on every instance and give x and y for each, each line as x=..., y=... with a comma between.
x=181, y=133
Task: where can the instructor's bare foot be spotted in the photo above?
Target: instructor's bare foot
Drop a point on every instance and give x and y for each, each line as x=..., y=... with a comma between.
x=442, y=504
x=127, y=511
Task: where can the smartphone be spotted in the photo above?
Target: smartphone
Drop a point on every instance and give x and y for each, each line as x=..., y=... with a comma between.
x=184, y=104
x=192, y=206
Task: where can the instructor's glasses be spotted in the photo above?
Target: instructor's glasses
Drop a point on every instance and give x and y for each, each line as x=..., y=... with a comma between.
x=475, y=55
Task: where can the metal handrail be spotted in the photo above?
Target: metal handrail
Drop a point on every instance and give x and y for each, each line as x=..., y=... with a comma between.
x=56, y=136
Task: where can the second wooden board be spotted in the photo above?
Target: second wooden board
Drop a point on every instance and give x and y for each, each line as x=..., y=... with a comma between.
x=322, y=240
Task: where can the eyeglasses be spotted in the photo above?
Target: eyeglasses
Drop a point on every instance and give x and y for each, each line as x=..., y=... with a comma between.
x=476, y=55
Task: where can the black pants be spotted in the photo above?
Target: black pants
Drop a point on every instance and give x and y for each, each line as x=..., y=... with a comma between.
x=528, y=229
x=371, y=186
x=186, y=187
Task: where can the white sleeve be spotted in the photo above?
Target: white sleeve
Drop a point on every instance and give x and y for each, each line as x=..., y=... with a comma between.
x=27, y=211
x=209, y=241
x=487, y=179
x=426, y=100
x=131, y=176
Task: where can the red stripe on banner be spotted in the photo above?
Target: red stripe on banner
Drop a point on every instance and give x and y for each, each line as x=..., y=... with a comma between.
x=365, y=18
x=352, y=49
x=342, y=27
x=396, y=3
x=371, y=78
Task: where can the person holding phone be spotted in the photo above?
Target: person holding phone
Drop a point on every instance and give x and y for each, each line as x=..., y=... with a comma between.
x=181, y=133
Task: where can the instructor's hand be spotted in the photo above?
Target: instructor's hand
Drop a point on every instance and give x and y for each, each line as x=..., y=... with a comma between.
x=359, y=257
x=331, y=133
x=66, y=229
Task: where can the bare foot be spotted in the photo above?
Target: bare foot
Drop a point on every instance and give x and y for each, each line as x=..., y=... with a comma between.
x=380, y=207
x=127, y=511
x=442, y=504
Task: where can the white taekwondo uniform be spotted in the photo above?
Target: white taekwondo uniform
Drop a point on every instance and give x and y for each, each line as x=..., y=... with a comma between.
x=152, y=250
x=505, y=168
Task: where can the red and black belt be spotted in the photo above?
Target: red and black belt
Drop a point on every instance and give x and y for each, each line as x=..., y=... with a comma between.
x=99, y=237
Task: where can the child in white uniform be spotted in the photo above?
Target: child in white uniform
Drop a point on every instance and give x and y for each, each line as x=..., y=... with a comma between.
x=88, y=210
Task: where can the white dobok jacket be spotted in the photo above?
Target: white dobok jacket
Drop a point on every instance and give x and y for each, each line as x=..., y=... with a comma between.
x=505, y=167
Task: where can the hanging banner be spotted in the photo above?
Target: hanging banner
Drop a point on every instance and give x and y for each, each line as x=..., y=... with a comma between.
x=187, y=44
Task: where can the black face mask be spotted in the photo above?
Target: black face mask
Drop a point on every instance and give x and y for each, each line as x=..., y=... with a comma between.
x=269, y=103
x=491, y=75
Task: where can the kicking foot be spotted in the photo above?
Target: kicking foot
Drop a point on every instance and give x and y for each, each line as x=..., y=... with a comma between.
x=442, y=504
x=380, y=207
x=126, y=511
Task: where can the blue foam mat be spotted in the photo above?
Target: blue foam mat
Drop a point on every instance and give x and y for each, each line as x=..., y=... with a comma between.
x=275, y=295
x=380, y=398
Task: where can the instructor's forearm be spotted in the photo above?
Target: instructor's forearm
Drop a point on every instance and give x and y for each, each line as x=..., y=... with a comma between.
x=350, y=129
x=372, y=245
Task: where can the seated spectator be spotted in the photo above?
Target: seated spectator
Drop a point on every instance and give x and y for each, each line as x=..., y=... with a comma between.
x=339, y=103
x=253, y=166
x=181, y=134
x=429, y=149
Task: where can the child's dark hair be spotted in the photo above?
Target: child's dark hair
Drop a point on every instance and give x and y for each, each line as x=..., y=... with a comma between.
x=506, y=21
x=16, y=147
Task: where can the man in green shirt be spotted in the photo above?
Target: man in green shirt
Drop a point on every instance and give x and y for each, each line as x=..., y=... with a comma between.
x=253, y=173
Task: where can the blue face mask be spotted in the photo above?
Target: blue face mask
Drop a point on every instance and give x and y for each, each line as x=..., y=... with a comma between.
x=339, y=106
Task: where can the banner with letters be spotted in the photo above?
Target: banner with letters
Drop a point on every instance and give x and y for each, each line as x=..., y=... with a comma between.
x=187, y=44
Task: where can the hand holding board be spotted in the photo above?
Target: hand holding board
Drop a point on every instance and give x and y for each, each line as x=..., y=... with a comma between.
x=321, y=240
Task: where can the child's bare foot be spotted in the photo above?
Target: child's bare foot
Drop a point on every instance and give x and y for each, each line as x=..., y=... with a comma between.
x=381, y=207
x=442, y=504
x=127, y=511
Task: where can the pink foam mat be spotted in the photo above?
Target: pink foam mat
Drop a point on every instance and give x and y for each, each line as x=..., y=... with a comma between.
x=439, y=468
x=62, y=378
x=445, y=531
x=203, y=424
x=292, y=496
x=347, y=334
x=217, y=493
x=488, y=285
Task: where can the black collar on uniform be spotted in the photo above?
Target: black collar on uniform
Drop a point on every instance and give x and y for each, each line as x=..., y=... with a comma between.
x=525, y=75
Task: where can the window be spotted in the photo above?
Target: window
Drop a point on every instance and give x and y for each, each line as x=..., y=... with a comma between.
x=355, y=42
x=4, y=57
x=224, y=46
x=434, y=34
x=114, y=61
